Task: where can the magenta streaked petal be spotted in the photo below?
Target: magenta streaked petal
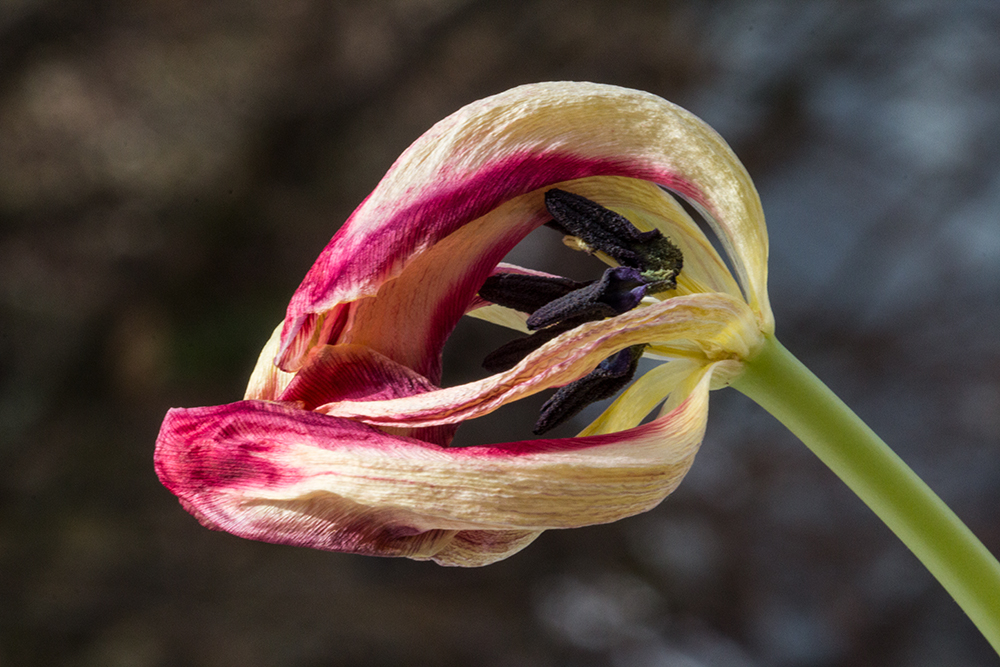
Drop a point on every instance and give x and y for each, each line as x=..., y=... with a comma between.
x=272, y=472
x=396, y=223
x=342, y=441
x=357, y=373
x=410, y=317
x=505, y=146
x=352, y=373
x=311, y=330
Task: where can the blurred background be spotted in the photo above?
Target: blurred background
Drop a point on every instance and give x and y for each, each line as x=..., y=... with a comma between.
x=169, y=169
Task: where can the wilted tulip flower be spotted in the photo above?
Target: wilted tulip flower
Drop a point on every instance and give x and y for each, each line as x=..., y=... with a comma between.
x=342, y=440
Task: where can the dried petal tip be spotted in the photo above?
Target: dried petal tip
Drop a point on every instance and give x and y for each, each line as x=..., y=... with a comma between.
x=603, y=382
x=603, y=230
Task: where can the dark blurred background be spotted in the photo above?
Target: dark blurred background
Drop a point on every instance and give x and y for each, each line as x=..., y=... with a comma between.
x=169, y=169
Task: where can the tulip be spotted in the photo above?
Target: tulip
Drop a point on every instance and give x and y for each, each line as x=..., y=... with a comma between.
x=342, y=439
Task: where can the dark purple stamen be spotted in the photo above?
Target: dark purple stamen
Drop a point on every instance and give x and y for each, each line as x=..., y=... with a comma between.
x=649, y=263
x=602, y=229
x=610, y=376
x=599, y=227
x=619, y=290
x=524, y=292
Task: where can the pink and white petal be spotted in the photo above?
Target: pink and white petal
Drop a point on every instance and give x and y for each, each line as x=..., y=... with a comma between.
x=714, y=325
x=313, y=330
x=412, y=315
x=505, y=267
x=271, y=472
x=352, y=373
x=507, y=145
x=357, y=373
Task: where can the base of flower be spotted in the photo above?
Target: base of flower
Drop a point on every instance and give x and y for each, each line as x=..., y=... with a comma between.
x=783, y=386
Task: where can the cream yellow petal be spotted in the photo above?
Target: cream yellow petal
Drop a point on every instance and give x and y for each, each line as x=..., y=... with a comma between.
x=267, y=381
x=475, y=548
x=272, y=472
x=505, y=317
x=718, y=325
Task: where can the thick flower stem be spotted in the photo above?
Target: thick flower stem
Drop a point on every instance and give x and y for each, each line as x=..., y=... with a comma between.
x=779, y=383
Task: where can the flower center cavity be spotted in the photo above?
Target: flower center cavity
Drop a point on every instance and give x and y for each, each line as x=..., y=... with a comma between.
x=648, y=263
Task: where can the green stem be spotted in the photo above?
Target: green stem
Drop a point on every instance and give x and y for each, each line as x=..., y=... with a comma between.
x=780, y=384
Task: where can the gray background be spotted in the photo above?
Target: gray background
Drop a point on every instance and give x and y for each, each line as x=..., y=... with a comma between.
x=169, y=169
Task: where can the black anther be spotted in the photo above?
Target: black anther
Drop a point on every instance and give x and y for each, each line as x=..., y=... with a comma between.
x=601, y=229
x=524, y=292
x=610, y=376
x=619, y=290
x=648, y=262
x=598, y=227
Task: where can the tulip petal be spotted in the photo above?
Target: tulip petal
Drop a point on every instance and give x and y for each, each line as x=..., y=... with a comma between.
x=267, y=381
x=272, y=472
x=513, y=143
x=410, y=317
x=358, y=373
x=709, y=326
x=352, y=372
x=501, y=316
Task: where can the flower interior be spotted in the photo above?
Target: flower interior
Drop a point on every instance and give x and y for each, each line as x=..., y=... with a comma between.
x=343, y=440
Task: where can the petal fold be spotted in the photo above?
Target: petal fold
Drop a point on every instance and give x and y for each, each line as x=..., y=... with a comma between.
x=710, y=326
x=272, y=472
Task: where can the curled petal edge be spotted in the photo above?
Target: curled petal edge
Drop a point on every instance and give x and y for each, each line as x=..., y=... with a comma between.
x=273, y=472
